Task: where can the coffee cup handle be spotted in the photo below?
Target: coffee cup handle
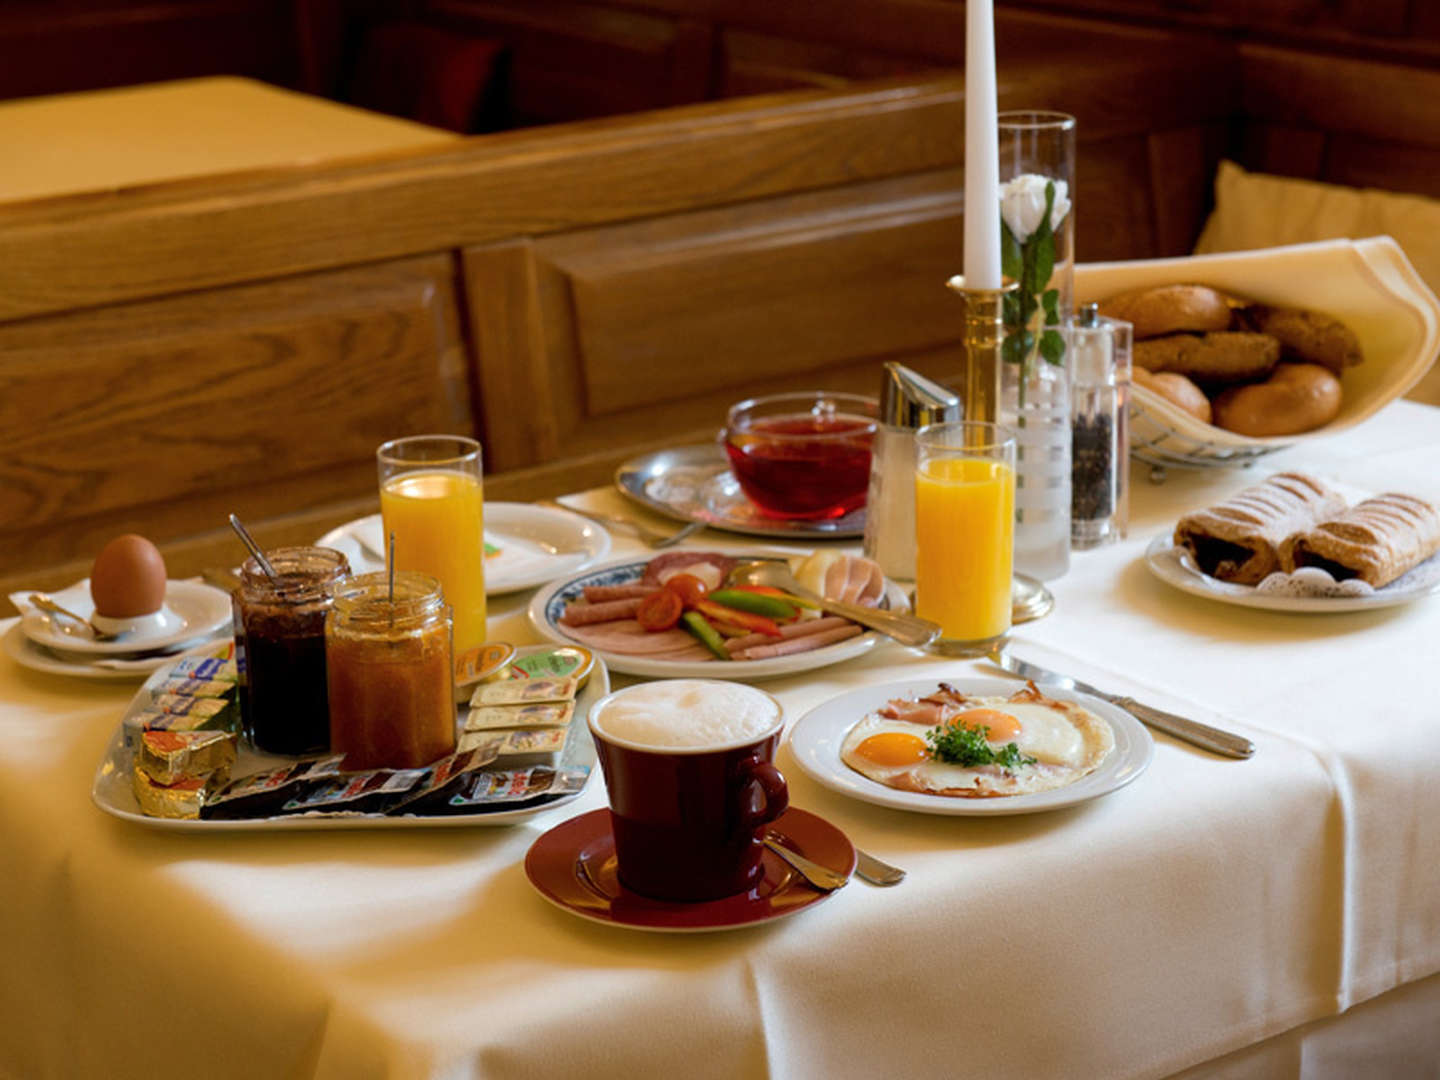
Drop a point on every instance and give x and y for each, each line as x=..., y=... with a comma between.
x=764, y=796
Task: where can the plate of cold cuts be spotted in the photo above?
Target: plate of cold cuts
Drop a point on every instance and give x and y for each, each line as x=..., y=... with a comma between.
x=705, y=630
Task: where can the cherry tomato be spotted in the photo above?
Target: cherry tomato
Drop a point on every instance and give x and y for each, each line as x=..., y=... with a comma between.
x=688, y=587
x=660, y=610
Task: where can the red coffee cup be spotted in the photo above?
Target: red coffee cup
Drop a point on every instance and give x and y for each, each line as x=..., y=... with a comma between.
x=688, y=765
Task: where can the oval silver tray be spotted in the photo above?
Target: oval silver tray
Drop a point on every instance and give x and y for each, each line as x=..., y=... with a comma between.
x=694, y=483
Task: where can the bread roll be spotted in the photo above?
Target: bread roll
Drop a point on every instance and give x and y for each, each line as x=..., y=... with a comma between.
x=1218, y=358
x=1176, y=389
x=1376, y=540
x=1240, y=539
x=1296, y=398
x=1169, y=309
x=1307, y=337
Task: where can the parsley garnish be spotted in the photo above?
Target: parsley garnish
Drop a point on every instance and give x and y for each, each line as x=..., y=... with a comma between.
x=956, y=744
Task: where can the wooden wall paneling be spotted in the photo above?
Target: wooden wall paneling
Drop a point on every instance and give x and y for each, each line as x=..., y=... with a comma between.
x=1182, y=171
x=1283, y=150
x=1383, y=101
x=1363, y=162
x=662, y=324
x=517, y=404
x=1115, y=216
x=94, y=250
x=571, y=61
x=49, y=48
x=760, y=63
x=266, y=400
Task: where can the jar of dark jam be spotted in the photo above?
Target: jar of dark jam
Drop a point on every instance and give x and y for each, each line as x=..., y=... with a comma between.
x=389, y=657
x=280, y=646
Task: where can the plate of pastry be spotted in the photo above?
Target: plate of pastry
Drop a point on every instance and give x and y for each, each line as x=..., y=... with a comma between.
x=1293, y=543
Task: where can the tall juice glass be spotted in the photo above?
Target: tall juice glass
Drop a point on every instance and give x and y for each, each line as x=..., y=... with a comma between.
x=432, y=499
x=964, y=533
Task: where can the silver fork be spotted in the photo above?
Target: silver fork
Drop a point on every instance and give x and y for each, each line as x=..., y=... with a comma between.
x=648, y=536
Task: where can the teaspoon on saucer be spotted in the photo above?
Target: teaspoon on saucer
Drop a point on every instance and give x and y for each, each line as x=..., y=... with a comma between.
x=47, y=604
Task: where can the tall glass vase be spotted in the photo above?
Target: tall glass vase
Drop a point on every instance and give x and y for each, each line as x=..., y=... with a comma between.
x=1037, y=237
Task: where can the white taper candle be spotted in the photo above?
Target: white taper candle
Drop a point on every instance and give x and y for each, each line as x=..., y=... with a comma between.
x=982, y=151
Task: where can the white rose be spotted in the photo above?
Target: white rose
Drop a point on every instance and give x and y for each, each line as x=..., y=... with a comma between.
x=1022, y=204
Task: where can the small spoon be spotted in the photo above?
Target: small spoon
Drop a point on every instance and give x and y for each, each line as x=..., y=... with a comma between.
x=907, y=629
x=47, y=603
x=254, y=548
x=822, y=877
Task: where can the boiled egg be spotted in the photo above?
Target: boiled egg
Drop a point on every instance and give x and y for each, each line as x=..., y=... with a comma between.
x=128, y=578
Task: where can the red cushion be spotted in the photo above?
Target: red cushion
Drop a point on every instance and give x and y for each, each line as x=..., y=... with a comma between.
x=427, y=73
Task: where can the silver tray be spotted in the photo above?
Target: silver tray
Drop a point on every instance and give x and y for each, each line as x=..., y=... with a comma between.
x=694, y=483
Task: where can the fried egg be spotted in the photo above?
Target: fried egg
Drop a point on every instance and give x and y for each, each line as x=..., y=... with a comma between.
x=1066, y=741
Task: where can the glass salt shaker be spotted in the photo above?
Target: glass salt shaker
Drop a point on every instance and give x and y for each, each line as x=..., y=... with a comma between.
x=1099, y=424
x=908, y=401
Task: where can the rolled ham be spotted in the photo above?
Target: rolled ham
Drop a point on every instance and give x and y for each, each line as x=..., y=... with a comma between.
x=799, y=644
x=803, y=628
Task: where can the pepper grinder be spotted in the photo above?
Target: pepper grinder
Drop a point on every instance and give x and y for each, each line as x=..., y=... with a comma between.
x=1099, y=426
x=908, y=401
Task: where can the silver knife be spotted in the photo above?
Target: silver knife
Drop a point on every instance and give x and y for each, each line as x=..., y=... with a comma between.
x=1191, y=731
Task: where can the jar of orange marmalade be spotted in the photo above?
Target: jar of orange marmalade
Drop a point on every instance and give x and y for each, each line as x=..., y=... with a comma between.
x=391, y=672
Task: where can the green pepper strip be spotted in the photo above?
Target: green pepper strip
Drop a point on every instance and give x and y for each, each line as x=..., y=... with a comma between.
x=696, y=624
x=759, y=603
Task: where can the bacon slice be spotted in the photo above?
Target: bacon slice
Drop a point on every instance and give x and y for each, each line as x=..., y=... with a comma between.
x=799, y=644
x=803, y=628
x=926, y=713
x=610, y=611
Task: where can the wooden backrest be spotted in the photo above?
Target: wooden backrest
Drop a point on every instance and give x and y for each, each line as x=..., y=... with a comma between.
x=572, y=294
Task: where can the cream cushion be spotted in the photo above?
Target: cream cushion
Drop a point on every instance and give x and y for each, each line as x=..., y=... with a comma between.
x=1253, y=210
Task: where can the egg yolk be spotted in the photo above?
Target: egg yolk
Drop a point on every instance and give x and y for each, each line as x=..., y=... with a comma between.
x=892, y=748
x=1003, y=727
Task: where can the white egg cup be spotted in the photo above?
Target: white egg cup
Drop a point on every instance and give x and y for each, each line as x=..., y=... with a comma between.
x=156, y=624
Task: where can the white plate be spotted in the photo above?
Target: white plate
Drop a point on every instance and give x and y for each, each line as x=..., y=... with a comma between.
x=195, y=610
x=816, y=738
x=537, y=544
x=547, y=605
x=111, y=789
x=27, y=654
x=1165, y=561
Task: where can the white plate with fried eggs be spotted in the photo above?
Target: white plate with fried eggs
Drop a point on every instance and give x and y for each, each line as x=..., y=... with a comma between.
x=818, y=738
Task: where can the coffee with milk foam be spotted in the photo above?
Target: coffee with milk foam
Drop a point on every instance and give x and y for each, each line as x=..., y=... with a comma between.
x=689, y=714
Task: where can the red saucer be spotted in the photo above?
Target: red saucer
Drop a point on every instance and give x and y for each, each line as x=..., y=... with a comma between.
x=573, y=866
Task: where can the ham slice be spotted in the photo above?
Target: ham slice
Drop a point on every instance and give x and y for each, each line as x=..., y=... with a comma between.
x=709, y=566
x=630, y=638
x=926, y=713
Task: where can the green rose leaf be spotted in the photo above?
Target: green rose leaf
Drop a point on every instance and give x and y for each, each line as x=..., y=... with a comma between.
x=1016, y=346
x=1010, y=254
x=1050, y=301
x=1052, y=346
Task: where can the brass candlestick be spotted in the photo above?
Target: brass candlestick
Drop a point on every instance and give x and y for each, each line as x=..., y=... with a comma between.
x=984, y=334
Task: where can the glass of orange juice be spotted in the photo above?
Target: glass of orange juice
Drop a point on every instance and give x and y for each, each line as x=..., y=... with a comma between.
x=432, y=499
x=964, y=533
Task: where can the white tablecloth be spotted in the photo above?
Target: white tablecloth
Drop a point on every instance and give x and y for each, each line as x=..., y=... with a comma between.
x=1208, y=906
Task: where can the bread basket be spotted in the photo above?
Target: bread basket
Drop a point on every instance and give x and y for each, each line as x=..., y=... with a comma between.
x=1367, y=284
